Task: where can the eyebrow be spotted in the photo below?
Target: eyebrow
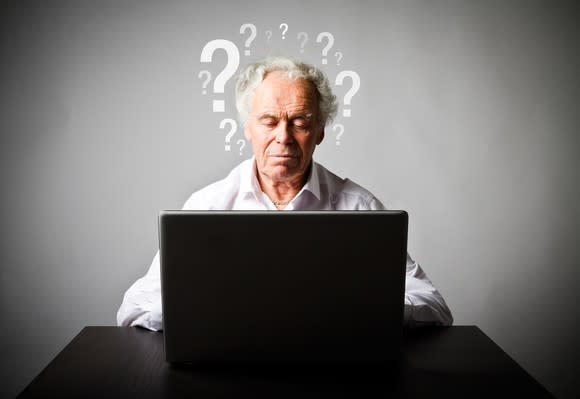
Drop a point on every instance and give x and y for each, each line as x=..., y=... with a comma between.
x=305, y=115
x=265, y=116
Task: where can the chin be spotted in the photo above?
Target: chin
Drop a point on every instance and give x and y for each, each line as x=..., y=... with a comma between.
x=283, y=173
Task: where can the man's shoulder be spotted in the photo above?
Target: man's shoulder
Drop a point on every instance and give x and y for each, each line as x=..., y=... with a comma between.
x=348, y=194
x=218, y=195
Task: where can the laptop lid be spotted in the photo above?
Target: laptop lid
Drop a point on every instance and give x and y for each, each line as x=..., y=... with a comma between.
x=246, y=287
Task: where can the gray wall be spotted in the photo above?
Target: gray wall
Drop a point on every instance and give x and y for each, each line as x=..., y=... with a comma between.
x=467, y=117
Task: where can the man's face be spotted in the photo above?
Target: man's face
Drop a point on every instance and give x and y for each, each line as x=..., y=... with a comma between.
x=284, y=127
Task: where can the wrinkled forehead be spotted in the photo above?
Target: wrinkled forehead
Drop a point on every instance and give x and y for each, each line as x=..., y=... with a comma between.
x=277, y=89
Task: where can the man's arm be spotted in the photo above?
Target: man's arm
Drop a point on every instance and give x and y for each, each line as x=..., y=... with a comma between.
x=423, y=303
x=142, y=302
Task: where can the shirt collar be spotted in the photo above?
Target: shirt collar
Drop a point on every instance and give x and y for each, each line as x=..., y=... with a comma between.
x=249, y=180
x=313, y=182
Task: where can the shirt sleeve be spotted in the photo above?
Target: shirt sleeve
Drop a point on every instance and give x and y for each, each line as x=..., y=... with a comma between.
x=141, y=304
x=424, y=305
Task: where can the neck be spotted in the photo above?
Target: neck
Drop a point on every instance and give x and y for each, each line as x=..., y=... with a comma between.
x=282, y=192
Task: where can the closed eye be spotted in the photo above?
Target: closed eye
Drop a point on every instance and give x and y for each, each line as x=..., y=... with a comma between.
x=268, y=122
x=301, y=123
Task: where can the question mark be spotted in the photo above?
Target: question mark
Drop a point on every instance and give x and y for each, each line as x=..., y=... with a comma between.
x=338, y=56
x=338, y=126
x=252, y=36
x=233, y=128
x=232, y=65
x=284, y=28
x=304, y=35
x=268, y=36
x=206, y=81
x=328, y=46
x=243, y=144
x=352, y=91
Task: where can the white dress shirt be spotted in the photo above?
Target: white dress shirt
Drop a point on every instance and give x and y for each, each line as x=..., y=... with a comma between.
x=323, y=190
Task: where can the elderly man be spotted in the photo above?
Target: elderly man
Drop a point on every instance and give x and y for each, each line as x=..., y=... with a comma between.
x=284, y=106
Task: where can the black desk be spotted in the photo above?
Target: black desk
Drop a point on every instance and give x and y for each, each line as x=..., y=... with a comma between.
x=111, y=362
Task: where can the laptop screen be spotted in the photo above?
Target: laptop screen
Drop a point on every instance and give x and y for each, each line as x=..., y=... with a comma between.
x=279, y=287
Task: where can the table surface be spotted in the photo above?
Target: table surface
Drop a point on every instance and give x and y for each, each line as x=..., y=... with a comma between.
x=437, y=362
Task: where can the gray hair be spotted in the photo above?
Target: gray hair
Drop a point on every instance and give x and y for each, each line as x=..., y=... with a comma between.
x=251, y=77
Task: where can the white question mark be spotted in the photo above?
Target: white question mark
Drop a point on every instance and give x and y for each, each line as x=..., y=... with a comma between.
x=233, y=128
x=303, y=35
x=284, y=28
x=328, y=46
x=352, y=91
x=242, y=144
x=268, y=36
x=232, y=65
x=338, y=126
x=253, y=32
x=338, y=56
x=206, y=81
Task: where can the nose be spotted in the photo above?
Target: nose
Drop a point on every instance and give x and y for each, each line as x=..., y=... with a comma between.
x=284, y=133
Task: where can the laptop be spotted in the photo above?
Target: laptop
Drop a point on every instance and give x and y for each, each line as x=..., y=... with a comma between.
x=264, y=287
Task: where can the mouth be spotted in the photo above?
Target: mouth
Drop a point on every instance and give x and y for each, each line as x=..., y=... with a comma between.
x=283, y=156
